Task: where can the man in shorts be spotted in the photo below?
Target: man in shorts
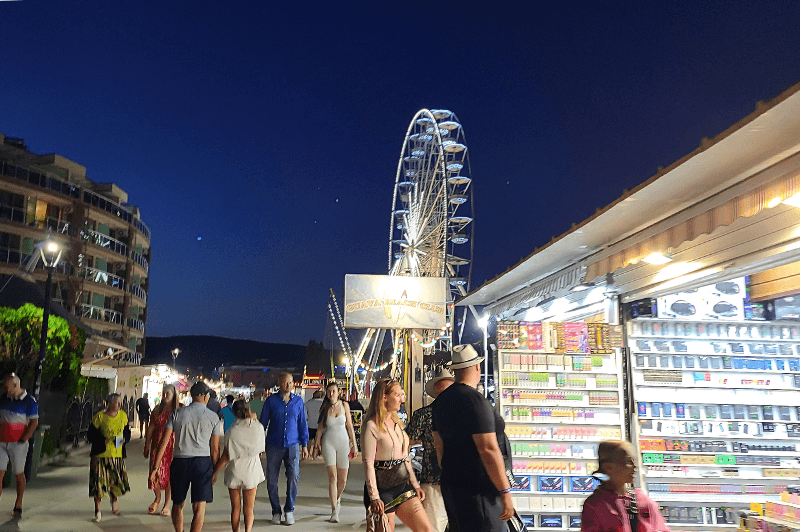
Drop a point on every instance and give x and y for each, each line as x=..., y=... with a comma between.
x=19, y=417
x=197, y=431
x=143, y=410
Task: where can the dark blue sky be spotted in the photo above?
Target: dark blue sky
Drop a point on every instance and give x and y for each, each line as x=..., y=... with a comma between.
x=243, y=123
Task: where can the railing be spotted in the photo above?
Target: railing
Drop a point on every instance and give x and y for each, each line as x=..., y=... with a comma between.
x=140, y=260
x=104, y=241
x=138, y=291
x=73, y=191
x=12, y=214
x=102, y=277
x=135, y=324
x=140, y=225
x=133, y=358
x=40, y=180
x=99, y=313
x=13, y=256
x=115, y=209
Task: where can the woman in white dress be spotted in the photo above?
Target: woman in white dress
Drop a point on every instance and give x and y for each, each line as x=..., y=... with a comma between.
x=336, y=441
x=243, y=444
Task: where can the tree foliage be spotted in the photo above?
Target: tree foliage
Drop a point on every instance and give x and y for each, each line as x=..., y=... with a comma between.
x=20, y=338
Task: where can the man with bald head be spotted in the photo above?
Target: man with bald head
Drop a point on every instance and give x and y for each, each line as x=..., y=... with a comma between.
x=19, y=417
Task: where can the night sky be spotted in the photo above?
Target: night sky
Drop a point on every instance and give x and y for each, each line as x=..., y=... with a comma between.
x=260, y=139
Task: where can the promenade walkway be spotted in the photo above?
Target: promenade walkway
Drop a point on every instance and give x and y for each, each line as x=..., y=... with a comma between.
x=58, y=500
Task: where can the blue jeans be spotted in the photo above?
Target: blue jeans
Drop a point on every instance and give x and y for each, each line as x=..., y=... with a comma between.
x=290, y=456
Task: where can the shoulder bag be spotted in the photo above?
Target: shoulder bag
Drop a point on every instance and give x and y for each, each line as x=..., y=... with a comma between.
x=633, y=510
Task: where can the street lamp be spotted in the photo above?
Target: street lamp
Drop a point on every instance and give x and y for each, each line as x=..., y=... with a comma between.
x=483, y=323
x=175, y=353
x=50, y=253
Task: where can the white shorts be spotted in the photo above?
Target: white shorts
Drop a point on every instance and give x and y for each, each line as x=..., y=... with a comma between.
x=17, y=453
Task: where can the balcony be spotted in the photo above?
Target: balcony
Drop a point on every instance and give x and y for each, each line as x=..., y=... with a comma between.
x=132, y=358
x=102, y=277
x=13, y=256
x=99, y=314
x=105, y=241
x=135, y=324
x=138, y=291
x=39, y=180
x=141, y=261
x=115, y=209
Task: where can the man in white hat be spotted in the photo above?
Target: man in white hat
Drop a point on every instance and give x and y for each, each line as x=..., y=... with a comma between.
x=420, y=431
x=476, y=491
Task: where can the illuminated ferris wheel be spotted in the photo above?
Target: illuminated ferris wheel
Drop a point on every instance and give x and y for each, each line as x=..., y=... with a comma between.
x=431, y=230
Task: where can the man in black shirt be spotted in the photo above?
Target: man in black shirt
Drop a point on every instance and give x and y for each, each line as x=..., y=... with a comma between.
x=143, y=410
x=476, y=491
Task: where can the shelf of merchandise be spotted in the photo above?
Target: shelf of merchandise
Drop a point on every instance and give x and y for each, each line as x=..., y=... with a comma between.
x=610, y=420
x=707, y=390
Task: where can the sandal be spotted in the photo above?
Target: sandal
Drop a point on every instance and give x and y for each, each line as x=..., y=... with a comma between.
x=165, y=511
x=153, y=508
x=97, y=517
x=115, y=508
x=17, y=513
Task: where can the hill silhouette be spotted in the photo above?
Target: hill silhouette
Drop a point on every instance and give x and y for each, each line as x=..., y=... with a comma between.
x=208, y=352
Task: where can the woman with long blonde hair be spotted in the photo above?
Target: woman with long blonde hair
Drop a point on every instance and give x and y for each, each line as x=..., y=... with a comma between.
x=391, y=486
x=158, y=420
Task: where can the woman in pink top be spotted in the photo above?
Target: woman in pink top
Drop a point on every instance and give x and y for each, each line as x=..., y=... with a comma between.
x=391, y=486
x=609, y=508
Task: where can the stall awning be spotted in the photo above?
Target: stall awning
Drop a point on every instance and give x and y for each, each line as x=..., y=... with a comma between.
x=562, y=280
x=742, y=201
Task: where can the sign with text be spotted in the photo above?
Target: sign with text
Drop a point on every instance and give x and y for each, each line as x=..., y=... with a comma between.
x=394, y=302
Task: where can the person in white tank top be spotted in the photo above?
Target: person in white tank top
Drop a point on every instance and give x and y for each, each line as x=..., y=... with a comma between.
x=336, y=442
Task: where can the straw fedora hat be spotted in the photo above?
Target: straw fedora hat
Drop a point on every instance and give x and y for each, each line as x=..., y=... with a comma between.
x=464, y=356
x=442, y=373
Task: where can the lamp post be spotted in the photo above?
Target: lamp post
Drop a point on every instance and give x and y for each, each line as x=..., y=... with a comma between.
x=175, y=353
x=50, y=253
x=483, y=323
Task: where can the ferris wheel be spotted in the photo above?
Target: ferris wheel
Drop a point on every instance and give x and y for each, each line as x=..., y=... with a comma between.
x=431, y=230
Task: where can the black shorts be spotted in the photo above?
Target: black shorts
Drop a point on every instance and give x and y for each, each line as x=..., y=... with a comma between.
x=387, y=495
x=197, y=472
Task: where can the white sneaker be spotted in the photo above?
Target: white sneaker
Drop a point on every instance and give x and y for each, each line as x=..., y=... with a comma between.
x=334, y=516
x=98, y=516
x=276, y=519
x=289, y=518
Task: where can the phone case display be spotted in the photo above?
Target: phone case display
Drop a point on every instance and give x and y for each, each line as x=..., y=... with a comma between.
x=560, y=397
x=717, y=408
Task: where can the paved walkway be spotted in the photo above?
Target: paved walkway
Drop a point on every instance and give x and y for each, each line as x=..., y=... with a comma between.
x=58, y=500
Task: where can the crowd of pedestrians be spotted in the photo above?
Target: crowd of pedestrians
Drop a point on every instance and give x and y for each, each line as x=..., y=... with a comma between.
x=464, y=485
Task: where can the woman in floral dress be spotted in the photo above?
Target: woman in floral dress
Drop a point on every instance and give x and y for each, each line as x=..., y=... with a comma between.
x=108, y=433
x=158, y=420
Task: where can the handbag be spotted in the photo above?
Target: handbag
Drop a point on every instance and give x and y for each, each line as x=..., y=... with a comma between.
x=516, y=524
x=391, y=473
x=377, y=522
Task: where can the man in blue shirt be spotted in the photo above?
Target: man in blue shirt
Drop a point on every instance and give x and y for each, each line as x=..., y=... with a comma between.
x=284, y=416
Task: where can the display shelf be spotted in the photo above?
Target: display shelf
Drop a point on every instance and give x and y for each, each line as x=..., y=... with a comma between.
x=677, y=387
x=715, y=390
x=715, y=478
x=538, y=439
x=744, y=498
x=569, y=422
x=569, y=371
x=733, y=371
x=565, y=404
x=538, y=374
x=712, y=339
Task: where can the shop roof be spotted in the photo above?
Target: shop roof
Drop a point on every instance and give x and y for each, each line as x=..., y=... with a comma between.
x=768, y=135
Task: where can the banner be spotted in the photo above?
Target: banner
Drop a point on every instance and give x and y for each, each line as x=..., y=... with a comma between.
x=394, y=302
